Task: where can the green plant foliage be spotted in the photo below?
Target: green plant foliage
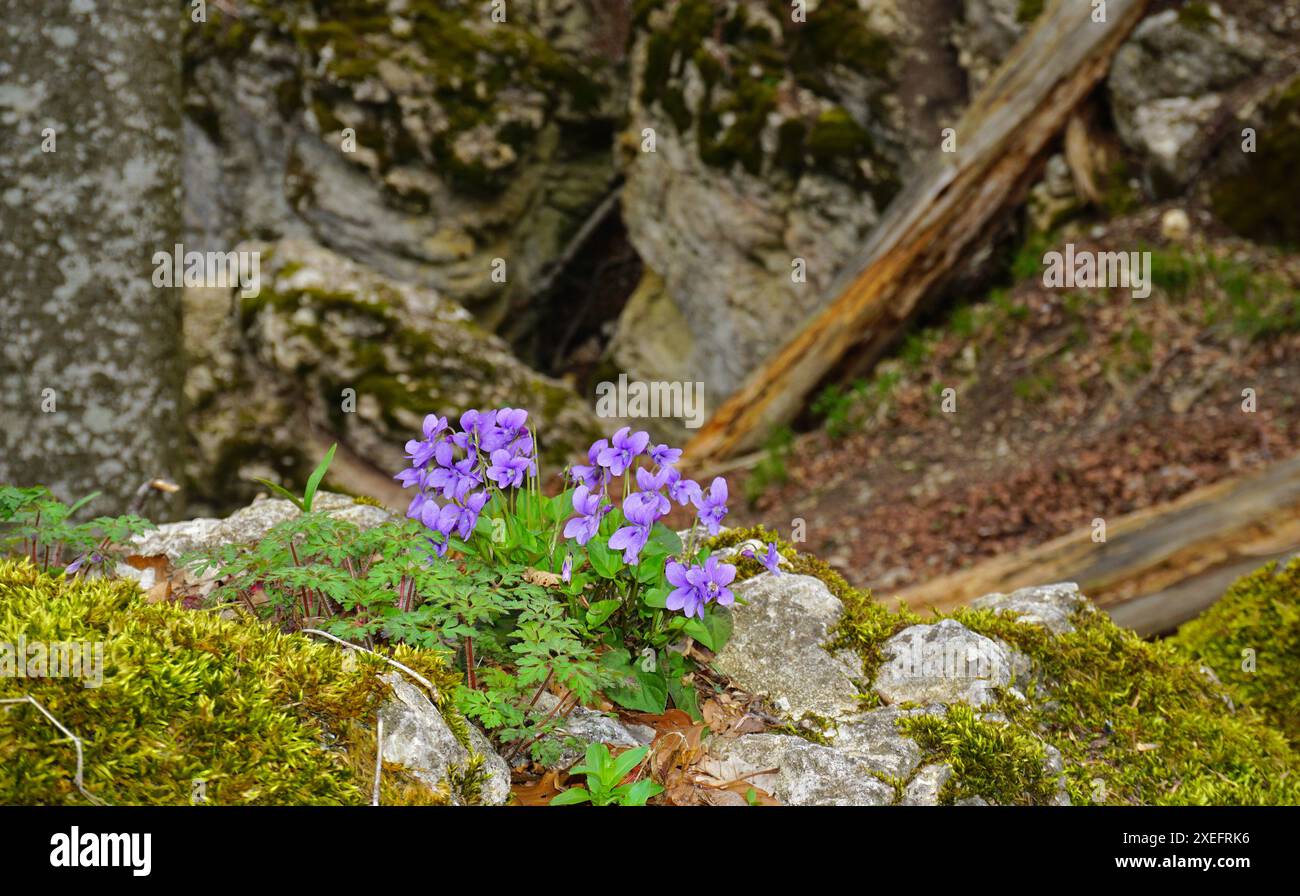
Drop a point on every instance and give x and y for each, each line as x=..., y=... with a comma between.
x=256, y=716
x=1251, y=640
x=35, y=523
x=604, y=780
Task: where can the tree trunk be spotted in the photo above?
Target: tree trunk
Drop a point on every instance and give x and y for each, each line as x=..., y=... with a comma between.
x=930, y=227
x=89, y=190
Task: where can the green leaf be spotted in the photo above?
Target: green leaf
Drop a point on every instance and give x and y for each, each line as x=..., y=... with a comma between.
x=656, y=597
x=601, y=610
x=638, y=689
x=572, y=797
x=713, y=631
x=638, y=793
x=83, y=502
x=313, y=481
x=282, y=492
x=624, y=764
x=670, y=540
x=604, y=561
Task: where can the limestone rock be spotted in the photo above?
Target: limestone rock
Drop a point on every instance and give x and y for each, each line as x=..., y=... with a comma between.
x=944, y=662
x=592, y=727
x=807, y=774
x=1050, y=606
x=776, y=647
x=425, y=140
x=874, y=738
x=1168, y=83
x=329, y=346
x=417, y=737
x=248, y=525
x=923, y=789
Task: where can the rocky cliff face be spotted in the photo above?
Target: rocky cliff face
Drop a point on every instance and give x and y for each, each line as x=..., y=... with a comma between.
x=426, y=140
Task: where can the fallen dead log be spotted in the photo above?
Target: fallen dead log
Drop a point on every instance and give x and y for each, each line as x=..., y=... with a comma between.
x=1158, y=567
x=930, y=227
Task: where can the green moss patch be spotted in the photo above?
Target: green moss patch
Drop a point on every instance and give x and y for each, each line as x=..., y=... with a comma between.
x=1251, y=640
x=747, y=55
x=1138, y=724
x=991, y=760
x=192, y=703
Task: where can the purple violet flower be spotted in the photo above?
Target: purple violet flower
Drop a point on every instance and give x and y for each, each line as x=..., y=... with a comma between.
x=456, y=480
x=591, y=474
x=509, y=470
x=624, y=447
x=460, y=519
x=683, y=491
x=665, y=456
x=566, y=570
x=713, y=506
x=631, y=539
x=771, y=560
x=648, y=498
x=699, y=585
x=590, y=507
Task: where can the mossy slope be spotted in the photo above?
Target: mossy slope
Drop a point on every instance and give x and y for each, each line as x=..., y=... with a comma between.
x=257, y=716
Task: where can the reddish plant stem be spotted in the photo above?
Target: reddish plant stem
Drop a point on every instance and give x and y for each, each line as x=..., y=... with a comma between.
x=469, y=663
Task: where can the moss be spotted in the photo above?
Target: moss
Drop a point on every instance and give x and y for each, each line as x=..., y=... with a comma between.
x=1251, y=640
x=993, y=760
x=1136, y=723
x=258, y=716
x=743, y=66
x=1197, y=16
x=468, y=63
x=1028, y=10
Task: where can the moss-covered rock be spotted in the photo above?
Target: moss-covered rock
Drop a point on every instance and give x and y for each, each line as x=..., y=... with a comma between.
x=424, y=138
x=187, y=706
x=1091, y=713
x=331, y=351
x=1250, y=639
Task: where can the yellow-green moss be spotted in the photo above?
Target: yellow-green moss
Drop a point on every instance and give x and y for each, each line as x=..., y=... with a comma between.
x=258, y=716
x=1136, y=723
x=1251, y=640
x=992, y=760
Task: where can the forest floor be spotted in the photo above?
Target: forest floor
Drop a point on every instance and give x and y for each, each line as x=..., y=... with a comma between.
x=1070, y=405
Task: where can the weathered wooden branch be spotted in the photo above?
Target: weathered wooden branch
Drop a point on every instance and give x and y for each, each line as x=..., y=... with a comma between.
x=1159, y=566
x=931, y=225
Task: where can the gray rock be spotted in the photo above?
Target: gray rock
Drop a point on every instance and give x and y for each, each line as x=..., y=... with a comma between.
x=1168, y=81
x=248, y=525
x=874, y=738
x=776, y=647
x=592, y=727
x=1050, y=606
x=944, y=662
x=923, y=789
x=807, y=774
x=325, y=330
x=473, y=138
x=418, y=738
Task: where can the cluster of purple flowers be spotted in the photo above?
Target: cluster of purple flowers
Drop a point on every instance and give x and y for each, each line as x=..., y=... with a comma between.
x=459, y=467
x=656, y=488
x=695, y=586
